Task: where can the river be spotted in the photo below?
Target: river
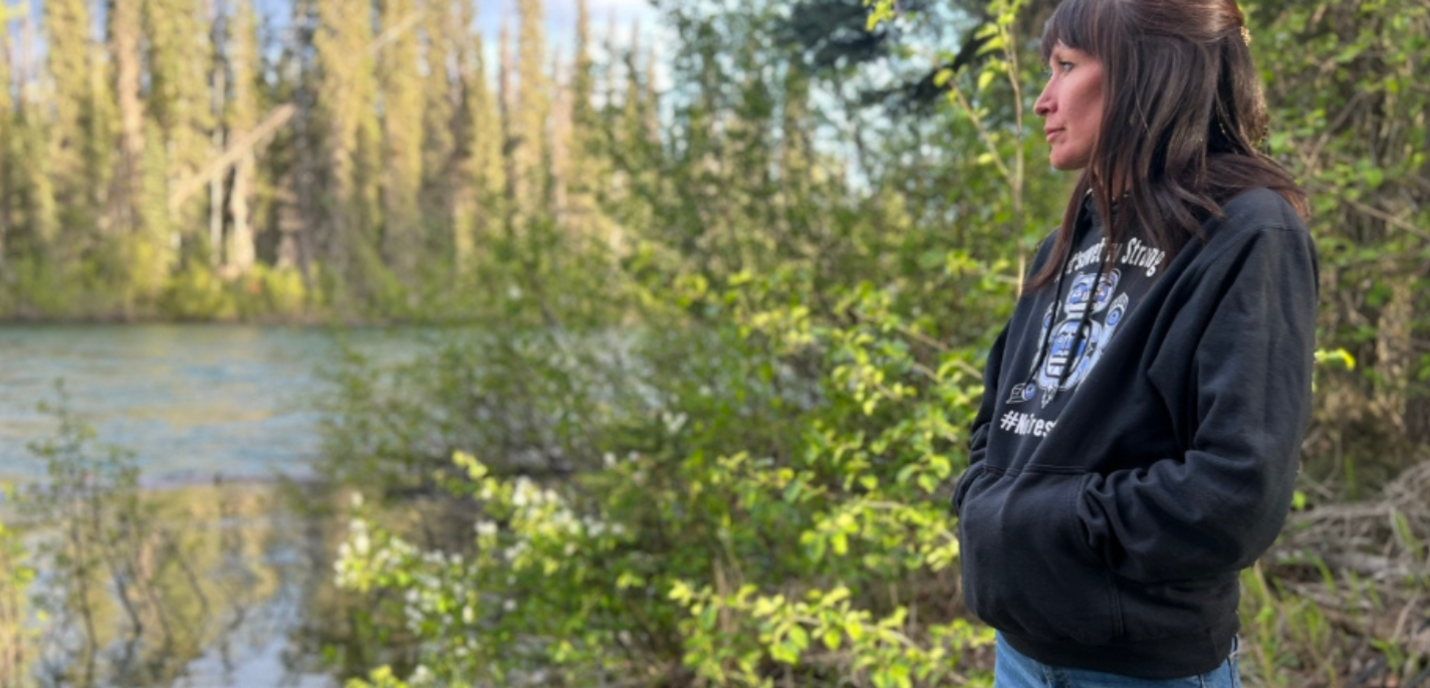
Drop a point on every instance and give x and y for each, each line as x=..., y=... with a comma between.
x=191, y=401
x=195, y=403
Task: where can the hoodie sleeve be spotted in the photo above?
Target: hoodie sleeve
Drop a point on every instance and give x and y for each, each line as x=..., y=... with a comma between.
x=1236, y=364
x=982, y=423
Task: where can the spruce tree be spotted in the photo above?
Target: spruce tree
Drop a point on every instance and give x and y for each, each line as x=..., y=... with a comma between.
x=240, y=118
x=73, y=123
x=346, y=210
x=33, y=217
x=798, y=180
x=509, y=141
x=125, y=37
x=443, y=32
x=7, y=134
x=636, y=148
x=796, y=164
x=180, y=56
x=581, y=167
x=529, y=124
x=558, y=153
x=401, y=88
x=484, y=166
x=152, y=254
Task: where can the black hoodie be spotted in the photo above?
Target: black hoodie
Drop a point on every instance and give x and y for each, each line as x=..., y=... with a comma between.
x=1138, y=442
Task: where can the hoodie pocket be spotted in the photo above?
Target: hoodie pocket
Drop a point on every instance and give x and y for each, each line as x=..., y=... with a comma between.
x=1027, y=568
x=1152, y=611
x=960, y=489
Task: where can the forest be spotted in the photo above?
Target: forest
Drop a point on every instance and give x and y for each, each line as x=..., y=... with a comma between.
x=711, y=316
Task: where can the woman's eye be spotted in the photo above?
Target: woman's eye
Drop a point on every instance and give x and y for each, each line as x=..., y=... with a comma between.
x=1065, y=66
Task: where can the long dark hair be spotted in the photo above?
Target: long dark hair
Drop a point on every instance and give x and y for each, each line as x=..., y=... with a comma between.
x=1182, y=117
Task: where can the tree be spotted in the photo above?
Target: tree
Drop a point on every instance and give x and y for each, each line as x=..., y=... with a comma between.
x=506, y=96
x=180, y=56
x=530, y=140
x=582, y=170
x=33, y=215
x=444, y=34
x=484, y=179
x=402, y=119
x=78, y=136
x=349, y=138
x=7, y=133
x=240, y=118
x=125, y=37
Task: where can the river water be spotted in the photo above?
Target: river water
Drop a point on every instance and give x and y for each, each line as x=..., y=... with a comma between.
x=196, y=402
x=192, y=401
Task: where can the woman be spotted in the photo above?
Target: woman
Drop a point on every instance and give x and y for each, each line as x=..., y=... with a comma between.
x=1143, y=410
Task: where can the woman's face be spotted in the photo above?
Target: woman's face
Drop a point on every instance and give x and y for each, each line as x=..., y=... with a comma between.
x=1071, y=105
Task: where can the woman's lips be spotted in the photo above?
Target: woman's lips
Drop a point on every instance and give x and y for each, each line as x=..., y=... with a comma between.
x=1051, y=133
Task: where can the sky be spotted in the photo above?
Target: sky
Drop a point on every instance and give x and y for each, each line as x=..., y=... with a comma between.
x=623, y=15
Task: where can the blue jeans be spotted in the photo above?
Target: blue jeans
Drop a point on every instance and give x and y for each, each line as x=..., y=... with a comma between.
x=1013, y=669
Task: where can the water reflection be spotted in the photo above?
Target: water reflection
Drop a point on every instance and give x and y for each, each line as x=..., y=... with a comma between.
x=206, y=598
x=213, y=583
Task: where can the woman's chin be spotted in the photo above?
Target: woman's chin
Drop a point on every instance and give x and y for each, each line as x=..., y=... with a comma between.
x=1065, y=165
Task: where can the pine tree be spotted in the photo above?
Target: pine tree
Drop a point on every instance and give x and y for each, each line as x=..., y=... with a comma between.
x=125, y=36
x=633, y=104
x=180, y=55
x=631, y=137
x=346, y=209
x=559, y=153
x=581, y=167
x=795, y=149
x=293, y=162
x=484, y=166
x=7, y=133
x=443, y=32
x=76, y=124
x=614, y=192
x=509, y=142
x=152, y=256
x=36, y=213
x=33, y=213
x=747, y=175
x=531, y=149
x=239, y=119
x=401, y=88
x=797, y=180
x=650, y=101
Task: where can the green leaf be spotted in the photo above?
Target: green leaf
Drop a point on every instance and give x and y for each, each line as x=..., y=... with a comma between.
x=985, y=78
x=993, y=44
x=799, y=638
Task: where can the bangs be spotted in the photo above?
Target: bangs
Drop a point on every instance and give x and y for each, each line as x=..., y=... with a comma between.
x=1072, y=24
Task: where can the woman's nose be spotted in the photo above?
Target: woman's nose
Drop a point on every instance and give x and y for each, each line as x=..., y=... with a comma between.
x=1044, y=104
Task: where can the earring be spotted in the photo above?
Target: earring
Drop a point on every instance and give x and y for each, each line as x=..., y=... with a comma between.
x=1245, y=35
